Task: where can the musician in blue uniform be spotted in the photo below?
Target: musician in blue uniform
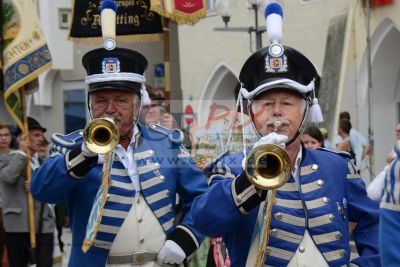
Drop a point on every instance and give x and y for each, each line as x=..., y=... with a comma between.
x=137, y=226
x=311, y=212
x=389, y=227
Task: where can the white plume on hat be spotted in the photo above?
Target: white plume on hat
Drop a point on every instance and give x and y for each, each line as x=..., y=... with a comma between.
x=108, y=23
x=274, y=22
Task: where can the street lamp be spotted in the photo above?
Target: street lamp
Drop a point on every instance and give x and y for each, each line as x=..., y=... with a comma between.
x=224, y=8
x=255, y=6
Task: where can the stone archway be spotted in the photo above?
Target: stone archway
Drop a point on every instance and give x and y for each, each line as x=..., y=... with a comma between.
x=385, y=60
x=219, y=90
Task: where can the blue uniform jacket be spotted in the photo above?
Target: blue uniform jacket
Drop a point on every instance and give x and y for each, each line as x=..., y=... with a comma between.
x=389, y=234
x=165, y=168
x=330, y=195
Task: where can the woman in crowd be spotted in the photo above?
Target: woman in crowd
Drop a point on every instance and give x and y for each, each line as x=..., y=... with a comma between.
x=312, y=138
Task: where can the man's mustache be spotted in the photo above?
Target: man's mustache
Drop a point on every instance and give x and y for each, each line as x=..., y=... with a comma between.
x=277, y=123
x=115, y=118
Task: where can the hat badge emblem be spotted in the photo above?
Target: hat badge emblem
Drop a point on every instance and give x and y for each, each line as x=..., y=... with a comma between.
x=111, y=65
x=276, y=61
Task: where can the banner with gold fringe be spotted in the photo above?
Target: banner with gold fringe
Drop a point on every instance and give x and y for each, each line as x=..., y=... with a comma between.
x=134, y=22
x=24, y=55
x=378, y=3
x=24, y=52
x=182, y=12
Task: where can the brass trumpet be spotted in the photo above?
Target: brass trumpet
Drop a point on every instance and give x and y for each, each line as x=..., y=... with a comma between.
x=268, y=166
x=101, y=135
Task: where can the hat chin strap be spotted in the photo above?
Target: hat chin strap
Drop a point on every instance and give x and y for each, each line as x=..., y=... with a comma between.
x=301, y=128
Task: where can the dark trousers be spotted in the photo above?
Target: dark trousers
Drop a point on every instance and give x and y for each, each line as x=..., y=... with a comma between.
x=18, y=248
x=61, y=214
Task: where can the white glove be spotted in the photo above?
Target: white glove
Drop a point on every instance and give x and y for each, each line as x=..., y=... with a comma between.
x=272, y=138
x=171, y=253
x=375, y=188
x=86, y=152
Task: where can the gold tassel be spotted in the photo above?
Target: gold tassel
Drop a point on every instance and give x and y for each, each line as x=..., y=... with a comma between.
x=108, y=159
x=262, y=251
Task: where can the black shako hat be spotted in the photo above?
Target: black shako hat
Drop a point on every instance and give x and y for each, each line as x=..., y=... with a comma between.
x=119, y=68
x=32, y=125
x=274, y=63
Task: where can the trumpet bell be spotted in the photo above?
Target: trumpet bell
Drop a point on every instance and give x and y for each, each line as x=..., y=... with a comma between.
x=101, y=135
x=268, y=167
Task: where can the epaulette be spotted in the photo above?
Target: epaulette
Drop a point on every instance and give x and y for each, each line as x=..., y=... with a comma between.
x=174, y=135
x=208, y=168
x=64, y=143
x=341, y=153
x=13, y=152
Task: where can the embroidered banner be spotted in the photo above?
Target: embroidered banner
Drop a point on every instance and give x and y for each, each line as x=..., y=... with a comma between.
x=135, y=22
x=379, y=3
x=183, y=12
x=25, y=52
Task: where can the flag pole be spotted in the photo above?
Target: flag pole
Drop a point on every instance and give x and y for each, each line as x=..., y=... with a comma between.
x=31, y=210
x=1, y=47
x=167, y=73
x=370, y=91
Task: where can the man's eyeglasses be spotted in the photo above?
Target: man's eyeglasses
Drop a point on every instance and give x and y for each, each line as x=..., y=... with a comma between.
x=151, y=106
x=5, y=135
